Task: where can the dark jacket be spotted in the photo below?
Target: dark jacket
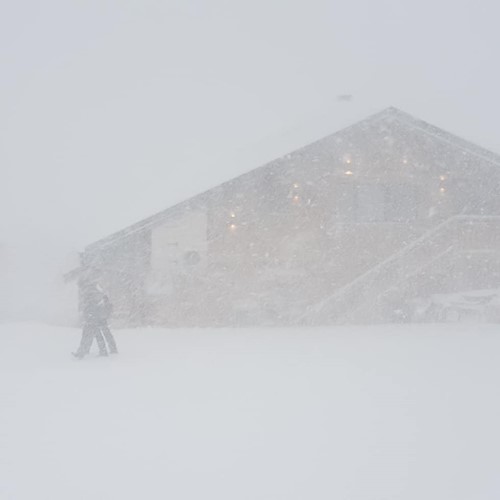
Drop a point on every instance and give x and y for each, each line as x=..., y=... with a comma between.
x=104, y=309
x=91, y=309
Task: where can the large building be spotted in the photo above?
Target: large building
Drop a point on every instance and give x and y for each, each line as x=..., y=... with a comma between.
x=352, y=228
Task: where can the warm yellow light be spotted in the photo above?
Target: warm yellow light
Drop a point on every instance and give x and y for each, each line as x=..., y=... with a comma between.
x=348, y=172
x=296, y=185
x=232, y=227
x=442, y=190
x=442, y=177
x=347, y=158
x=296, y=198
x=233, y=215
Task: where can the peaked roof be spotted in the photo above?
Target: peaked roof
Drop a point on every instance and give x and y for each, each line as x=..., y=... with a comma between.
x=389, y=115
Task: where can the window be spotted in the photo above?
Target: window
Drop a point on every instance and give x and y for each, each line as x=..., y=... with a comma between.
x=370, y=201
x=401, y=203
x=345, y=203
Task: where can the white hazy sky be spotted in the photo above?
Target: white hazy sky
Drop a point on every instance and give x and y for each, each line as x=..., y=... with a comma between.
x=112, y=110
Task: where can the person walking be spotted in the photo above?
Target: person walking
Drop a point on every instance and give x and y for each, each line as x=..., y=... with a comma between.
x=91, y=296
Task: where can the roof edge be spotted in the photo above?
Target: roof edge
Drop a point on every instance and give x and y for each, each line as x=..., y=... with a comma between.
x=387, y=113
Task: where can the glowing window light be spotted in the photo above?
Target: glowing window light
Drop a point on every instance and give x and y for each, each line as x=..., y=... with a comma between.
x=347, y=158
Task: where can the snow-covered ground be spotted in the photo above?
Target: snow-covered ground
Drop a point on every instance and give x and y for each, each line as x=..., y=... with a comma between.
x=361, y=413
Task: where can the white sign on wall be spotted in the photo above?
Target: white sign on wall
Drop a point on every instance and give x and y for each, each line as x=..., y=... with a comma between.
x=180, y=244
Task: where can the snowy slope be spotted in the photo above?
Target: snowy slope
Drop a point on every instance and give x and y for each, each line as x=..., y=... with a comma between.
x=375, y=413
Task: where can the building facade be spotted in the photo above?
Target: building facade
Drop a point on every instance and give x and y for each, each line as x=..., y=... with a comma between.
x=352, y=228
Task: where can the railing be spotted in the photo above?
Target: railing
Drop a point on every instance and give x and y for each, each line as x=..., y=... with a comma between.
x=459, y=233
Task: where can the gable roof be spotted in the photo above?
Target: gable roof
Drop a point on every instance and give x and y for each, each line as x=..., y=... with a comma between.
x=389, y=115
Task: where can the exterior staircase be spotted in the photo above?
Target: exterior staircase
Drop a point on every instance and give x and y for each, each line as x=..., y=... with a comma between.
x=357, y=301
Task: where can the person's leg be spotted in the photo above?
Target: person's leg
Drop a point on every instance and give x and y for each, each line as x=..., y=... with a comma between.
x=100, y=342
x=85, y=342
x=109, y=338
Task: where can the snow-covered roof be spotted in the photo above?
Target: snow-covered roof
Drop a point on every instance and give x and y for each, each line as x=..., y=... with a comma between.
x=389, y=115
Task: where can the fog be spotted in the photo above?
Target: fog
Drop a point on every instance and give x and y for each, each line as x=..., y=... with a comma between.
x=111, y=111
x=324, y=327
